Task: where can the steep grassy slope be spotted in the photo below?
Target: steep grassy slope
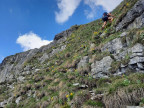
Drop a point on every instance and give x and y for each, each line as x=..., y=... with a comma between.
x=59, y=83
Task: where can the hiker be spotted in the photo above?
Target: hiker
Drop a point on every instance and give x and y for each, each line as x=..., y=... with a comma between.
x=107, y=17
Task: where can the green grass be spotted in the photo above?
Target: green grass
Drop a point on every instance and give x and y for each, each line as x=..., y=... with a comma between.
x=77, y=46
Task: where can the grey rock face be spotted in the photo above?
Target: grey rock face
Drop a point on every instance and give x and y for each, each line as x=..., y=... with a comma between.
x=132, y=15
x=140, y=65
x=13, y=64
x=54, y=51
x=83, y=62
x=138, y=48
x=137, y=54
x=99, y=68
x=113, y=46
x=65, y=33
x=136, y=60
x=137, y=23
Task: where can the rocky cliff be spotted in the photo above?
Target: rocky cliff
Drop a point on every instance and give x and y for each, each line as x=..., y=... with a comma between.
x=13, y=65
x=82, y=67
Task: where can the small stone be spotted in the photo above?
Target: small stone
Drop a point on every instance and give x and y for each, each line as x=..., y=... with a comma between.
x=91, y=91
x=21, y=78
x=123, y=34
x=36, y=70
x=83, y=86
x=97, y=97
x=18, y=100
x=76, y=84
x=122, y=66
x=103, y=34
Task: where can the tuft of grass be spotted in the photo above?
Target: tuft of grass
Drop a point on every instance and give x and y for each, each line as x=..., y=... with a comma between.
x=94, y=103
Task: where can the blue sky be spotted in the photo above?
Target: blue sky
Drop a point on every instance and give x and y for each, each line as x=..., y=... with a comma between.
x=28, y=24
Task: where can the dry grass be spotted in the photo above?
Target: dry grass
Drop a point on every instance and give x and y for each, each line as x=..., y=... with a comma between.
x=124, y=97
x=84, y=70
x=61, y=84
x=67, y=55
x=80, y=98
x=40, y=94
x=56, y=80
x=44, y=104
x=48, y=79
x=37, y=86
x=71, y=64
x=38, y=78
x=53, y=88
x=62, y=95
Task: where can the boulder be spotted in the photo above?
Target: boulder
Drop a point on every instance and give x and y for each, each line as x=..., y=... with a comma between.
x=83, y=62
x=101, y=68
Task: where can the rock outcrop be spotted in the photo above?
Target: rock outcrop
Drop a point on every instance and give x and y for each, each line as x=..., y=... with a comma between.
x=65, y=33
x=12, y=65
x=101, y=68
x=113, y=46
x=134, y=18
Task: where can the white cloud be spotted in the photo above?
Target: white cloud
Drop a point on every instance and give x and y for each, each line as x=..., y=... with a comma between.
x=108, y=5
x=90, y=13
x=67, y=8
x=31, y=41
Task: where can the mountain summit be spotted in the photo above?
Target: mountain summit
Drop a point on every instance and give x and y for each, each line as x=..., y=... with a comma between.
x=84, y=67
